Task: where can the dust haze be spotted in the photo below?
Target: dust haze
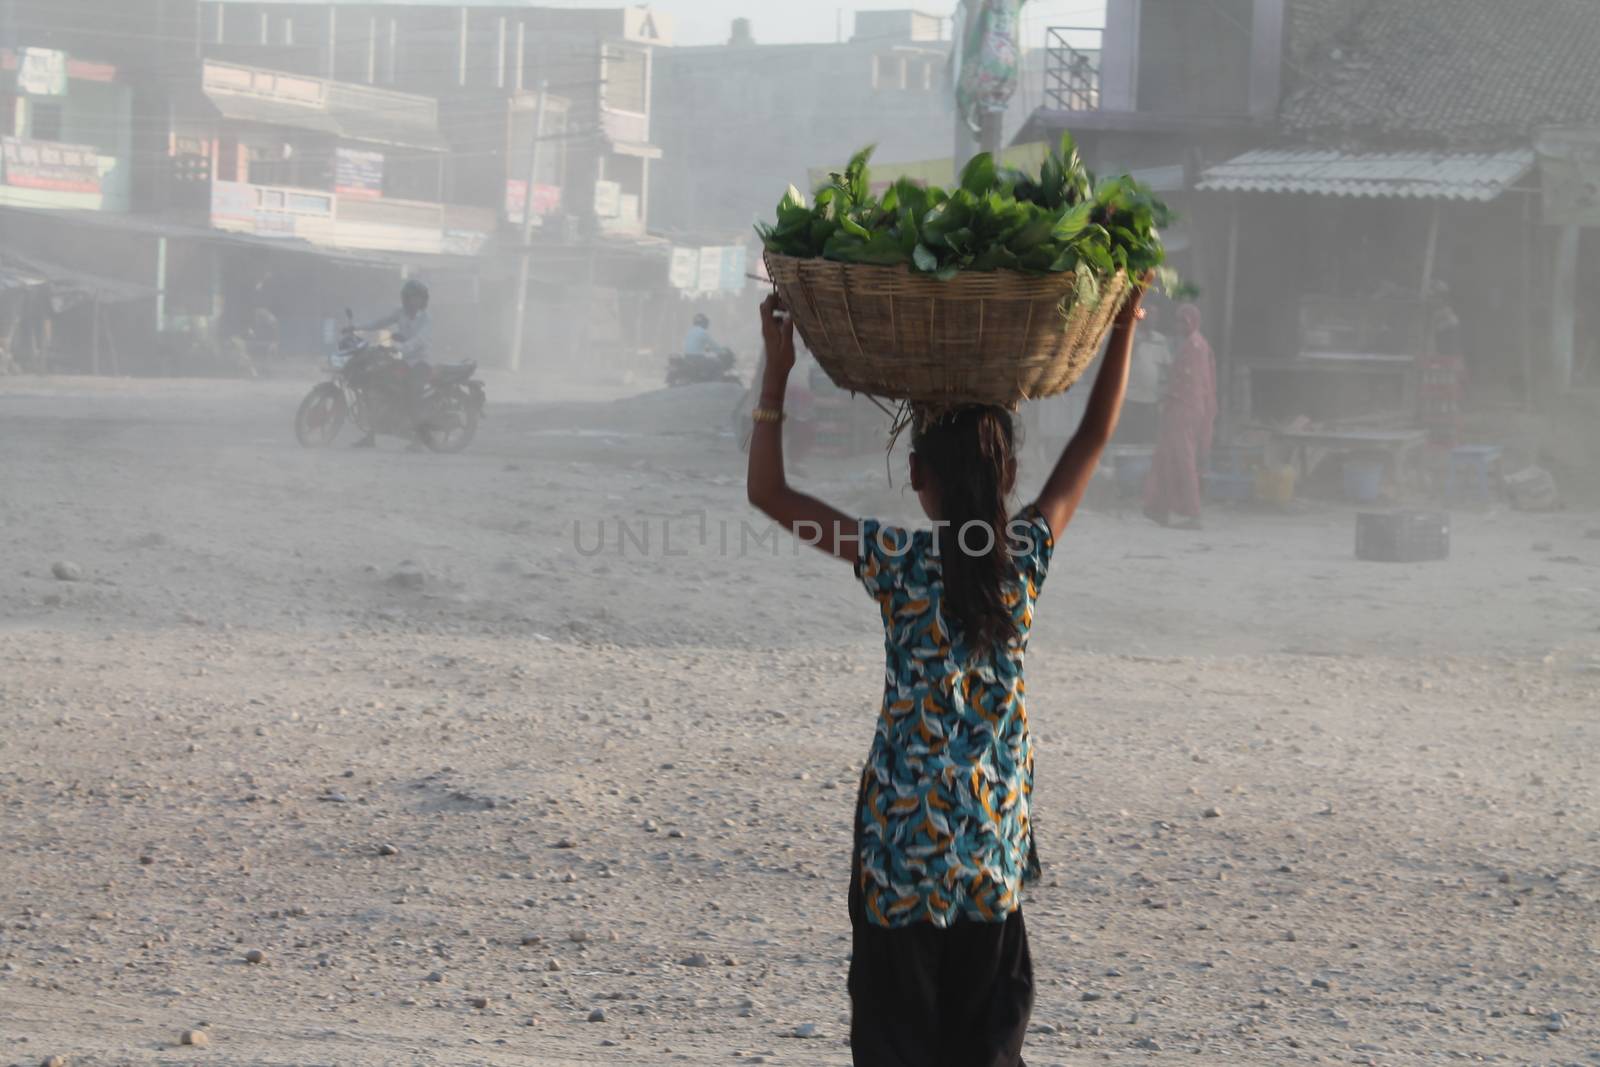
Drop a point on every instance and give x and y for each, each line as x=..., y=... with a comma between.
x=520, y=738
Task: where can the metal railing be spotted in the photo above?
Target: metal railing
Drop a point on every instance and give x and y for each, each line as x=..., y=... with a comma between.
x=1072, y=73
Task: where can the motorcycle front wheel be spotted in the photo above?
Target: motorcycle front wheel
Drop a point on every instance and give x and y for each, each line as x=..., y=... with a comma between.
x=321, y=416
x=460, y=426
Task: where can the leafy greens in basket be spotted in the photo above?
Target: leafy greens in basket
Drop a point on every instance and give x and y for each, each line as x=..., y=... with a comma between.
x=997, y=218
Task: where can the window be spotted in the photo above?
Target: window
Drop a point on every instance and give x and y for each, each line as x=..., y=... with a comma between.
x=522, y=55
x=627, y=79
x=890, y=71
x=266, y=28
x=500, y=56
x=44, y=121
x=288, y=30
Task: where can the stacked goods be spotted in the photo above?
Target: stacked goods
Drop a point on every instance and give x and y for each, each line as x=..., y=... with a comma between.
x=997, y=291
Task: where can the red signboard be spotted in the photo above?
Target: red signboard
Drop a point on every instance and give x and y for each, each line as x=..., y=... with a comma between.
x=546, y=199
x=61, y=168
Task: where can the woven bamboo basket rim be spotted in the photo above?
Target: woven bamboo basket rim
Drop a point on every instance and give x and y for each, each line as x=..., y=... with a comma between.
x=876, y=279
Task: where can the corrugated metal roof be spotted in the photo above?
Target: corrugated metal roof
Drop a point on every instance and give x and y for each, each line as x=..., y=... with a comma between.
x=1415, y=175
x=1456, y=72
x=68, y=286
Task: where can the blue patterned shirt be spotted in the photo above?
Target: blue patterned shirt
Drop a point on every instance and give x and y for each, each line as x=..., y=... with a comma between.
x=944, y=822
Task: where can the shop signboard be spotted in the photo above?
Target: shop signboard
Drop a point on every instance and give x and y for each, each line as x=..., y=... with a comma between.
x=546, y=199
x=607, y=199
x=358, y=173
x=42, y=72
x=62, y=168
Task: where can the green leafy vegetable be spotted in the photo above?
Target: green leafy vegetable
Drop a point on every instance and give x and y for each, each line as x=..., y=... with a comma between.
x=995, y=218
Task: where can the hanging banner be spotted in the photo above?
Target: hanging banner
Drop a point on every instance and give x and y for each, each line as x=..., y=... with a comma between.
x=358, y=173
x=989, y=58
x=733, y=266
x=62, y=168
x=42, y=72
x=710, y=274
x=684, y=270
x=1569, y=164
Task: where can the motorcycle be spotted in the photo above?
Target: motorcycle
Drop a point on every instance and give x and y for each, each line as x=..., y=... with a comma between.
x=367, y=385
x=698, y=370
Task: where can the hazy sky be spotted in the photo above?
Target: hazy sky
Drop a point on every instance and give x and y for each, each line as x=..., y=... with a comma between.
x=707, y=21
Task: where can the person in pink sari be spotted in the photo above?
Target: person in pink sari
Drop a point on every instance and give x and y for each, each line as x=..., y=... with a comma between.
x=1188, y=412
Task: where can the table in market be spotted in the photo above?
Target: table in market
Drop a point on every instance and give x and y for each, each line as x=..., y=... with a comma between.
x=1373, y=383
x=1397, y=445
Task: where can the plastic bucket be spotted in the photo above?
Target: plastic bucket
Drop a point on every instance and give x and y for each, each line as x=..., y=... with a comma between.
x=1230, y=488
x=1363, y=477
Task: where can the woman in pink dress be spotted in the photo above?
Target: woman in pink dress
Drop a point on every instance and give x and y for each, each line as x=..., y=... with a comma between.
x=1188, y=410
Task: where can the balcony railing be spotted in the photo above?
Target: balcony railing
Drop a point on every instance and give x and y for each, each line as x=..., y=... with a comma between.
x=324, y=218
x=1072, y=71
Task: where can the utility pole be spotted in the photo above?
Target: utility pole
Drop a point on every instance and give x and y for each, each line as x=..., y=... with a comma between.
x=515, y=362
x=991, y=131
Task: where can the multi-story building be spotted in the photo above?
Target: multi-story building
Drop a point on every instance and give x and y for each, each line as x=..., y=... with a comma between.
x=506, y=76
x=66, y=132
x=741, y=121
x=484, y=62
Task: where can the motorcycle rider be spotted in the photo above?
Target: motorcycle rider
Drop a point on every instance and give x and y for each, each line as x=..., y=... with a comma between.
x=698, y=341
x=703, y=359
x=409, y=328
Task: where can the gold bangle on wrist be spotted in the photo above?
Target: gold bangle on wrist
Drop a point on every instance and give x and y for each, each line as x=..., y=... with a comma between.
x=767, y=415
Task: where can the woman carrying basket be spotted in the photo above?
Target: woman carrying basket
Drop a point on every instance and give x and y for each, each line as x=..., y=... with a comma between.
x=940, y=972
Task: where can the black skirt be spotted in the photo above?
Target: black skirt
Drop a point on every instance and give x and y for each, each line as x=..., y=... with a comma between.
x=929, y=996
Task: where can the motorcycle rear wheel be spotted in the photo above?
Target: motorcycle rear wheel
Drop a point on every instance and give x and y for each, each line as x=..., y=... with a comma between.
x=454, y=438
x=321, y=416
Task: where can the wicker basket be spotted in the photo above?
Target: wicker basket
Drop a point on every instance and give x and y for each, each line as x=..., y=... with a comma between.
x=989, y=337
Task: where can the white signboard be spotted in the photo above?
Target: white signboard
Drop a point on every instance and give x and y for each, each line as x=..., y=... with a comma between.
x=42, y=72
x=607, y=199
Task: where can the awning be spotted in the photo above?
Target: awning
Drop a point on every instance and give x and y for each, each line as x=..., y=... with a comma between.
x=636, y=148
x=1417, y=175
x=371, y=125
x=67, y=286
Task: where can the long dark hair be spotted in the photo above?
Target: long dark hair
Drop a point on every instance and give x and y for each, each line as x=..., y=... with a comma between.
x=967, y=457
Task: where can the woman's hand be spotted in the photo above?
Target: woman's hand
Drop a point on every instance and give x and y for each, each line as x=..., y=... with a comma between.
x=1131, y=310
x=777, y=333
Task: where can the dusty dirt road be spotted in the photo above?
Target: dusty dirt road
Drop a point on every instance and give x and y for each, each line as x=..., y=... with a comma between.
x=466, y=781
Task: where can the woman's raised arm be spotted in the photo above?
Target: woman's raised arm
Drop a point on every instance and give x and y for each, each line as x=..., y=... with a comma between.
x=808, y=518
x=1065, y=488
